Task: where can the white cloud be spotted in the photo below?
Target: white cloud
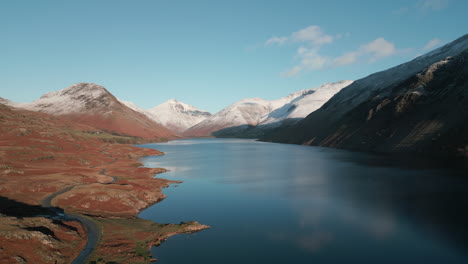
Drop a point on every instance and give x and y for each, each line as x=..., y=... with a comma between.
x=348, y=58
x=312, y=35
x=276, y=40
x=433, y=5
x=312, y=38
x=309, y=60
x=292, y=72
x=378, y=48
x=432, y=44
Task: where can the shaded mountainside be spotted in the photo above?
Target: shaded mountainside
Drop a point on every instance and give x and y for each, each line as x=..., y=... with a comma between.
x=93, y=105
x=419, y=106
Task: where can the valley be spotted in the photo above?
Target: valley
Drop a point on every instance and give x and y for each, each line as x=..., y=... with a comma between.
x=80, y=170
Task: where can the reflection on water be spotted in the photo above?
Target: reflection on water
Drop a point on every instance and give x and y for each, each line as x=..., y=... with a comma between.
x=276, y=203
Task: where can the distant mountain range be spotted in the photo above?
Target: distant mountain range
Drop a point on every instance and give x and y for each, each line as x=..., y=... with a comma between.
x=252, y=117
x=172, y=114
x=419, y=106
x=93, y=105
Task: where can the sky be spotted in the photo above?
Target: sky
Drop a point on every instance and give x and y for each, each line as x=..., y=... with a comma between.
x=211, y=53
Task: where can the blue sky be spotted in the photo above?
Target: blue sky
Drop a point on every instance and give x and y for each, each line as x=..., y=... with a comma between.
x=212, y=53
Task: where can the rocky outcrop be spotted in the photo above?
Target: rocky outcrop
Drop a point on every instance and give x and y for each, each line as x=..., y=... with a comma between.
x=39, y=240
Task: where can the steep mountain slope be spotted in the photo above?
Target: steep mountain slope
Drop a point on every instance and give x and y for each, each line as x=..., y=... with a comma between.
x=93, y=105
x=419, y=106
x=305, y=103
x=177, y=116
x=244, y=113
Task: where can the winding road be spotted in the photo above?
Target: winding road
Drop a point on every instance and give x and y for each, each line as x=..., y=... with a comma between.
x=92, y=228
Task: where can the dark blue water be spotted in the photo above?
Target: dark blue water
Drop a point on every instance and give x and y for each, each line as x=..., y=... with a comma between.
x=276, y=203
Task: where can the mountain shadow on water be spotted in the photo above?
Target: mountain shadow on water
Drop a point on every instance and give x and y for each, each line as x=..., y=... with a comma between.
x=249, y=131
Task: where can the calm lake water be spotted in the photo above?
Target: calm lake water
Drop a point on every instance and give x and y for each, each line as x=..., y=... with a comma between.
x=277, y=203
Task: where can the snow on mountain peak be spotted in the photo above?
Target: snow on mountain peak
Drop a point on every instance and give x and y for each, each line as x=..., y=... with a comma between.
x=5, y=101
x=257, y=111
x=88, y=89
x=302, y=103
x=77, y=98
x=176, y=115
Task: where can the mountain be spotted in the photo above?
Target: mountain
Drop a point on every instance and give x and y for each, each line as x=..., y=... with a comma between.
x=177, y=116
x=7, y=102
x=252, y=117
x=93, y=105
x=244, y=113
x=303, y=103
x=418, y=106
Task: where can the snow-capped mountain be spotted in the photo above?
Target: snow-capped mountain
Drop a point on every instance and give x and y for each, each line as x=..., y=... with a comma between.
x=416, y=106
x=247, y=112
x=241, y=118
x=93, y=105
x=134, y=107
x=78, y=98
x=302, y=103
x=177, y=116
x=7, y=102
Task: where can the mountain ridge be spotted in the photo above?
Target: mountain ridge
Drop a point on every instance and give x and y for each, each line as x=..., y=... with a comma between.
x=92, y=104
x=252, y=116
x=177, y=116
x=407, y=108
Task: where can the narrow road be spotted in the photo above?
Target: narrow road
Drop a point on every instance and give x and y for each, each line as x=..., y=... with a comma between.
x=114, y=179
x=92, y=228
x=94, y=235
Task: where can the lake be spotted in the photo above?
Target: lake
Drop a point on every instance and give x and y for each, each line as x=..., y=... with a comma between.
x=278, y=203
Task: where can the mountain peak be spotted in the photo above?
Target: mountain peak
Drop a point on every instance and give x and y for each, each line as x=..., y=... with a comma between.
x=4, y=101
x=177, y=116
x=78, y=98
x=172, y=101
x=89, y=89
x=91, y=104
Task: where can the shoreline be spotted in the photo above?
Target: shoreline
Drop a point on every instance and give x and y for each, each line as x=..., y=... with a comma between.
x=47, y=161
x=96, y=221
x=100, y=221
